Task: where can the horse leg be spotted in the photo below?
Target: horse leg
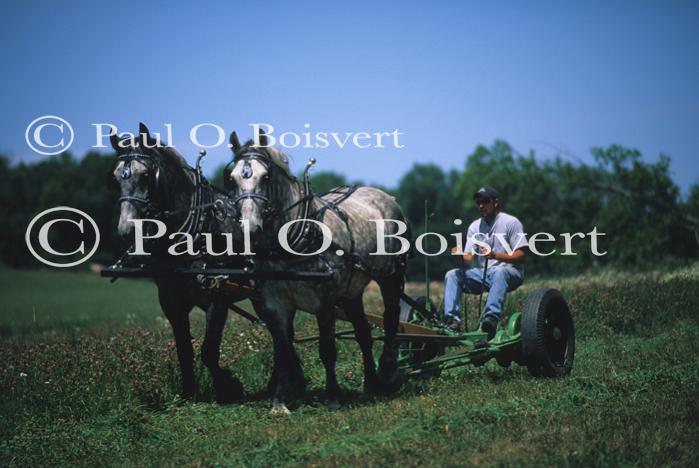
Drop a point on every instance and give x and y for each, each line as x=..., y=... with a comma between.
x=297, y=381
x=227, y=387
x=328, y=354
x=296, y=378
x=391, y=287
x=354, y=309
x=283, y=350
x=177, y=309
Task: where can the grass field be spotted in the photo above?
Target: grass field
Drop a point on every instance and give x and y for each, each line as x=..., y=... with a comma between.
x=89, y=376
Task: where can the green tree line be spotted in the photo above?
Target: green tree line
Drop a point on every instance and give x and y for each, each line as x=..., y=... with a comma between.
x=635, y=203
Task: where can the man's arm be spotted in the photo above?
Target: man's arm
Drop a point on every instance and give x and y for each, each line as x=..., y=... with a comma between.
x=518, y=240
x=466, y=256
x=516, y=257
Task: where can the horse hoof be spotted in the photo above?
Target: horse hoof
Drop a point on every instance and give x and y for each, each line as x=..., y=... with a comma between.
x=187, y=393
x=297, y=385
x=278, y=409
x=388, y=367
x=228, y=389
x=272, y=384
x=333, y=404
x=372, y=387
x=391, y=383
x=297, y=388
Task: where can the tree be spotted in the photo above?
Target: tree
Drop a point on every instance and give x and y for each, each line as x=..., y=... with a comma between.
x=691, y=210
x=323, y=181
x=633, y=202
x=428, y=182
x=642, y=211
x=217, y=177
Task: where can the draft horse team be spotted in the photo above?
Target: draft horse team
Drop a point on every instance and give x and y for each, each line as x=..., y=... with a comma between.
x=262, y=196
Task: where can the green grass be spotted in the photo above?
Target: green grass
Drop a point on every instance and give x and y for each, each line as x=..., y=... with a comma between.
x=90, y=376
x=47, y=301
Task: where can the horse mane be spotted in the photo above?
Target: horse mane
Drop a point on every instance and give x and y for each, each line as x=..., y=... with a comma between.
x=174, y=157
x=176, y=167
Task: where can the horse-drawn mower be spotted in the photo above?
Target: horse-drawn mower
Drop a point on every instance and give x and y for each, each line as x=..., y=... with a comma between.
x=541, y=336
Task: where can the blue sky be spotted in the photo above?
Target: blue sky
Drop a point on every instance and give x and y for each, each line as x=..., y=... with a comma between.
x=450, y=75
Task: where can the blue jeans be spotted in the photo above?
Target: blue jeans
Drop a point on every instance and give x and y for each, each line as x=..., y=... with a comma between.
x=499, y=280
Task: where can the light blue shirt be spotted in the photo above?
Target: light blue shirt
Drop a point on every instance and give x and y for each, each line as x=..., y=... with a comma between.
x=505, y=228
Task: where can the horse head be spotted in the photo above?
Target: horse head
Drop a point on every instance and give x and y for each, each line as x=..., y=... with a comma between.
x=260, y=181
x=147, y=177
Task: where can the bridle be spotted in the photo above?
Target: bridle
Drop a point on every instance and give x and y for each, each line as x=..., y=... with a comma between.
x=246, y=172
x=299, y=231
x=154, y=206
x=153, y=171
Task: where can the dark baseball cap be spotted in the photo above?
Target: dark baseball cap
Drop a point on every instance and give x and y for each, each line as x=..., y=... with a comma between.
x=486, y=192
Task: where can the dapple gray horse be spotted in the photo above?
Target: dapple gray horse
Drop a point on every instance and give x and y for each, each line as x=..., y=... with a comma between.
x=156, y=182
x=268, y=196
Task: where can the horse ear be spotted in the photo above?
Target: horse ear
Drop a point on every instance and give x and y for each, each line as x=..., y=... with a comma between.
x=144, y=133
x=264, y=141
x=114, y=140
x=235, y=142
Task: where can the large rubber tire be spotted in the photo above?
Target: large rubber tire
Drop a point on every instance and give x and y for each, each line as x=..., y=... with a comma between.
x=548, y=335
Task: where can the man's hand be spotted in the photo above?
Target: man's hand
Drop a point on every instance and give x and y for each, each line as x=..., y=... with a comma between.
x=467, y=257
x=492, y=255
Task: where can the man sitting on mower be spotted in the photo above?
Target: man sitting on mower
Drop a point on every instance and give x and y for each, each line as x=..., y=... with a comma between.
x=493, y=268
